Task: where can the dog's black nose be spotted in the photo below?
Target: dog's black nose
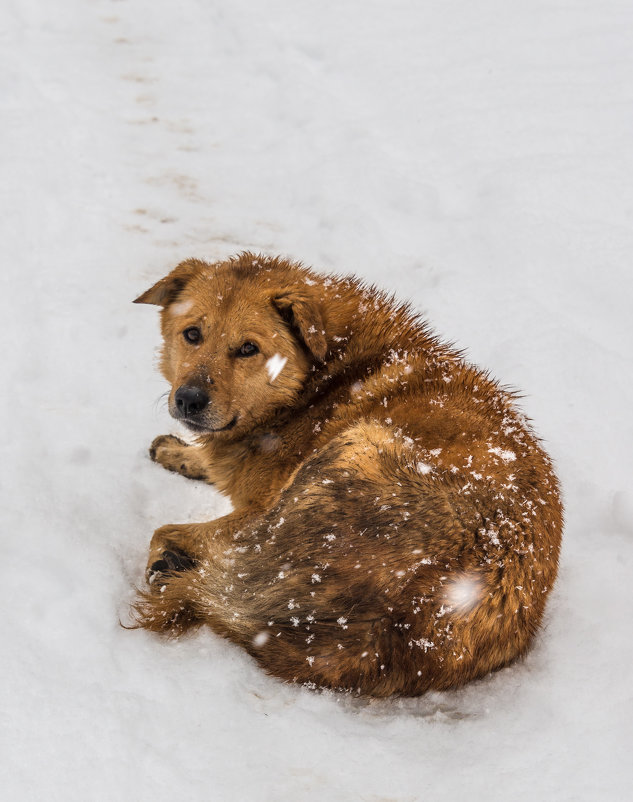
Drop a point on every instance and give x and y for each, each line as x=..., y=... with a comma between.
x=190, y=400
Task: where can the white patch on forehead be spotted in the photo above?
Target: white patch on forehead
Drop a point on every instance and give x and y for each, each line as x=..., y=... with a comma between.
x=275, y=365
x=180, y=308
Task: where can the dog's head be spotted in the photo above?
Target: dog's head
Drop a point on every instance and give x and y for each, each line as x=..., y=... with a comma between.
x=240, y=338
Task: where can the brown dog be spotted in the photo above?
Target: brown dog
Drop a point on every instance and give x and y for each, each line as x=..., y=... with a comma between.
x=396, y=524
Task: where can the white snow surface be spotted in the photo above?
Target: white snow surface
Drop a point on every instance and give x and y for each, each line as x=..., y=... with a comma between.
x=476, y=159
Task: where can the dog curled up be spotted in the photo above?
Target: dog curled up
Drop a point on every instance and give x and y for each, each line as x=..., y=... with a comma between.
x=396, y=523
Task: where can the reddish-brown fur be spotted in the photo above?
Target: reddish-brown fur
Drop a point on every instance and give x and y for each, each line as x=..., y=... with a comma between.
x=397, y=524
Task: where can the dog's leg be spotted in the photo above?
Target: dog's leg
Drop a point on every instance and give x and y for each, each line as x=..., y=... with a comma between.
x=176, y=455
x=346, y=580
x=179, y=557
x=286, y=583
x=181, y=547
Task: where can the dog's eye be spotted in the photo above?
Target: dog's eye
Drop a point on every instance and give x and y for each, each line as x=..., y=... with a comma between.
x=192, y=334
x=248, y=349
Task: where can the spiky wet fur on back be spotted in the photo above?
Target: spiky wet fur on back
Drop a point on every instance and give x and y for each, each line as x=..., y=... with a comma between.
x=397, y=524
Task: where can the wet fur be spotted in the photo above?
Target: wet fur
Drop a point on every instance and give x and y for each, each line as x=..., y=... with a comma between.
x=397, y=524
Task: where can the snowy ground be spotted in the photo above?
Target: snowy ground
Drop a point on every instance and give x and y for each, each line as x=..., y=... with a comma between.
x=473, y=156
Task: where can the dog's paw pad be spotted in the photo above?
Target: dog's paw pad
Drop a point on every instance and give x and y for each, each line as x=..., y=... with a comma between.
x=178, y=560
x=156, y=568
x=171, y=561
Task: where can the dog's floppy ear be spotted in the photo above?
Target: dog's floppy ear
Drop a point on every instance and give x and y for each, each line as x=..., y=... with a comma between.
x=166, y=290
x=302, y=313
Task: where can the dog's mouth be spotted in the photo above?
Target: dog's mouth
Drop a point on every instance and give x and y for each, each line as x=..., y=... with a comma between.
x=200, y=428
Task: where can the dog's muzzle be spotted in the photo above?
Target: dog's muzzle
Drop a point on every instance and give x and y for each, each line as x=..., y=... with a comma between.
x=189, y=401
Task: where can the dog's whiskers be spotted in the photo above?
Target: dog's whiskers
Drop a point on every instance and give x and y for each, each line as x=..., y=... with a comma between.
x=161, y=398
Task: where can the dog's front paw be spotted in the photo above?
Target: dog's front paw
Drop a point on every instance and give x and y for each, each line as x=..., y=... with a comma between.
x=174, y=454
x=170, y=561
x=164, y=446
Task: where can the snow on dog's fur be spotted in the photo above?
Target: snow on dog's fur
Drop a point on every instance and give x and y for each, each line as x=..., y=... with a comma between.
x=396, y=525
